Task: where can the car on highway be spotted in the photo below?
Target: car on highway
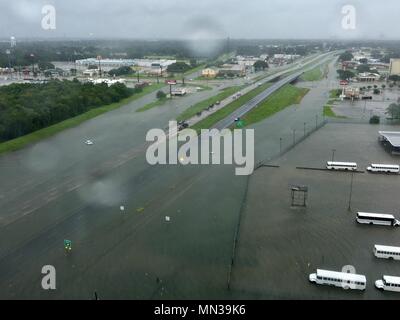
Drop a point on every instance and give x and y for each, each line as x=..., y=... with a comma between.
x=89, y=142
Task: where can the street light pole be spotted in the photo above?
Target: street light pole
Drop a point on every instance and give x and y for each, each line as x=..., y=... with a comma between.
x=351, y=191
x=333, y=154
x=280, y=146
x=304, y=129
x=294, y=136
x=316, y=121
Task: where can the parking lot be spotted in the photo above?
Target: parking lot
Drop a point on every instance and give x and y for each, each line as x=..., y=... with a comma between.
x=280, y=246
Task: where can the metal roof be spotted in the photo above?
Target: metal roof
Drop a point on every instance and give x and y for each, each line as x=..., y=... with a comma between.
x=392, y=136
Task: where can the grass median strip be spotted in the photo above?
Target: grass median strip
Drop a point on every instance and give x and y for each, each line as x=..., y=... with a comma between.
x=328, y=112
x=198, y=107
x=18, y=143
x=227, y=110
x=284, y=97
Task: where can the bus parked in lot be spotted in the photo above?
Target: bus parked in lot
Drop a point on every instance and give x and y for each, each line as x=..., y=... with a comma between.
x=378, y=219
x=339, y=279
x=388, y=283
x=346, y=166
x=385, y=168
x=386, y=252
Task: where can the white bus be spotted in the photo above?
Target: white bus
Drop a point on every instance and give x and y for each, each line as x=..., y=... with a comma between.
x=339, y=279
x=385, y=168
x=388, y=283
x=378, y=219
x=347, y=166
x=386, y=252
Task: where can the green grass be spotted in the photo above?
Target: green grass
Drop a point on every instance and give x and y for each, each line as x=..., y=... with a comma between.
x=193, y=110
x=151, y=105
x=227, y=110
x=18, y=143
x=334, y=94
x=284, y=97
x=328, y=112
x=314, y=74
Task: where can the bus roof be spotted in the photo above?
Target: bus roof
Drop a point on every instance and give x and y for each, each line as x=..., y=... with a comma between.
x=385, y=165
x=341, y=275
x=377, y=215
x=390, y=279
x=351, y=164
x=387, y=248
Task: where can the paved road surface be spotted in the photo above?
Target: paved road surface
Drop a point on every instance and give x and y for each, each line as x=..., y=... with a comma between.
x=62, y=189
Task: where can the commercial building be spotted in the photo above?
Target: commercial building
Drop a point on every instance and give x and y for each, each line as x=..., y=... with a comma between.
x=232, y=70
x=391, y=141
x=394, y=68
x=209, y=73
x=368, y=77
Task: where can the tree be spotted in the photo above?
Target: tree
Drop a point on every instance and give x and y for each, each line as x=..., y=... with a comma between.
x=121, y=71
x=394, y=78
x=260, y=65
x=375, y=120
x=193, y=63
x=178, y=67
x=43, y=65
x=345, y=74
x=363, y=60
x=92, y=67
x=346, y=56
x=363, y=68
x=377, y=91
x=161, y=95
x=394, y=110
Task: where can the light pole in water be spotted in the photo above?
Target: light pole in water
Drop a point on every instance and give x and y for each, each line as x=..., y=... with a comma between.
x=351, y=191
x=333, y=154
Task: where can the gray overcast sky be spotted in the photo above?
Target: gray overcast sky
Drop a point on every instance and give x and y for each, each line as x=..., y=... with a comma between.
x=194, y=19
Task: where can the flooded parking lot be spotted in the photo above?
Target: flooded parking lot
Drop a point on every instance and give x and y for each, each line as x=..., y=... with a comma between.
x=280, y=246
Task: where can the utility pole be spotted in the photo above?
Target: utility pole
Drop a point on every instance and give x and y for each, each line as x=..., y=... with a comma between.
x=280, y=146
x=305, y=129
x=294, y=136
x=333, y=154
x=351, y=191
x=316, y=122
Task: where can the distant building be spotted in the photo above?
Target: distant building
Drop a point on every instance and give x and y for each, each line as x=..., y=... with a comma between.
x=368, y=77
x=209, y=73
x=232, y=70
x=394, y=68
x=351, y=93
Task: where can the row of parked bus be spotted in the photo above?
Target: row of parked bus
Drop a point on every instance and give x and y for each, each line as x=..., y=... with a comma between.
x=374, y=168
x=357, y=281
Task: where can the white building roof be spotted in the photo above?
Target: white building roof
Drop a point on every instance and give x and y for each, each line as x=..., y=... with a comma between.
x=392, y=136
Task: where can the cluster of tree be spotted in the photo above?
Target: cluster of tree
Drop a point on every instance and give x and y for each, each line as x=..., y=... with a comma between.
x=394, y=78
x=25, y=108
x=345, y=74
x=346, y=56
x=178, y=67
x=260, y=65
x=121, y=71
x=394, y=110
x=375, y=119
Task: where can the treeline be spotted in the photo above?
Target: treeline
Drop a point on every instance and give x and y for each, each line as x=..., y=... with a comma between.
x=25, y=108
